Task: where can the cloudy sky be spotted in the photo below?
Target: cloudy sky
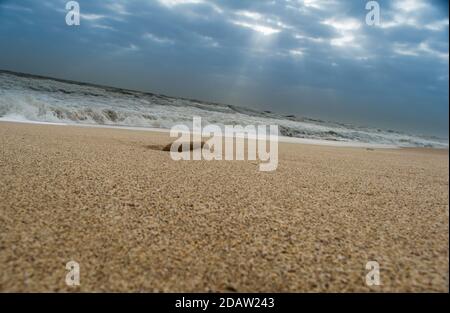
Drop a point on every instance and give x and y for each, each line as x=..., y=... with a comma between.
x=314, y=58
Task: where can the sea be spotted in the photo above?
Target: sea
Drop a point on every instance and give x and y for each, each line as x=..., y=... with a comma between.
x=37, y=99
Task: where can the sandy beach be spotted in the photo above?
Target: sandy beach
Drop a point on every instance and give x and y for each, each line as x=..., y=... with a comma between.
x=135, y=220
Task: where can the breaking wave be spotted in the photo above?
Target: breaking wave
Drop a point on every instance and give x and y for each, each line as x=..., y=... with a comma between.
x=39, y=99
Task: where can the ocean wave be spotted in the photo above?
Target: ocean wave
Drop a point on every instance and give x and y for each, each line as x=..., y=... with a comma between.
x=30, y=98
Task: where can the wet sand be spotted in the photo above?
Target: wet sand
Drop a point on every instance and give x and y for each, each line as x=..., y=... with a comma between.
x=135, y=220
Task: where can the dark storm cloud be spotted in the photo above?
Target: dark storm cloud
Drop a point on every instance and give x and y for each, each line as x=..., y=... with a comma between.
x=308, y=57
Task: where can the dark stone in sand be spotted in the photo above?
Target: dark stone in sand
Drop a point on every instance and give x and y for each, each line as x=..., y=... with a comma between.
x=168, y=146
x=191, y=146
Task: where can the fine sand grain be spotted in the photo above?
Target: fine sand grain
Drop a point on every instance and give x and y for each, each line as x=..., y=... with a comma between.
x=135, y=220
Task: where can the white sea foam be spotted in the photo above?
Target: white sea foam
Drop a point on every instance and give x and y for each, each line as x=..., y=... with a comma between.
x=27, y=98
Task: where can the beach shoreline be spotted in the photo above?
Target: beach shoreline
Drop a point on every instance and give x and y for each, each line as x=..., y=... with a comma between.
x=135, y=220
x=285, y=139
